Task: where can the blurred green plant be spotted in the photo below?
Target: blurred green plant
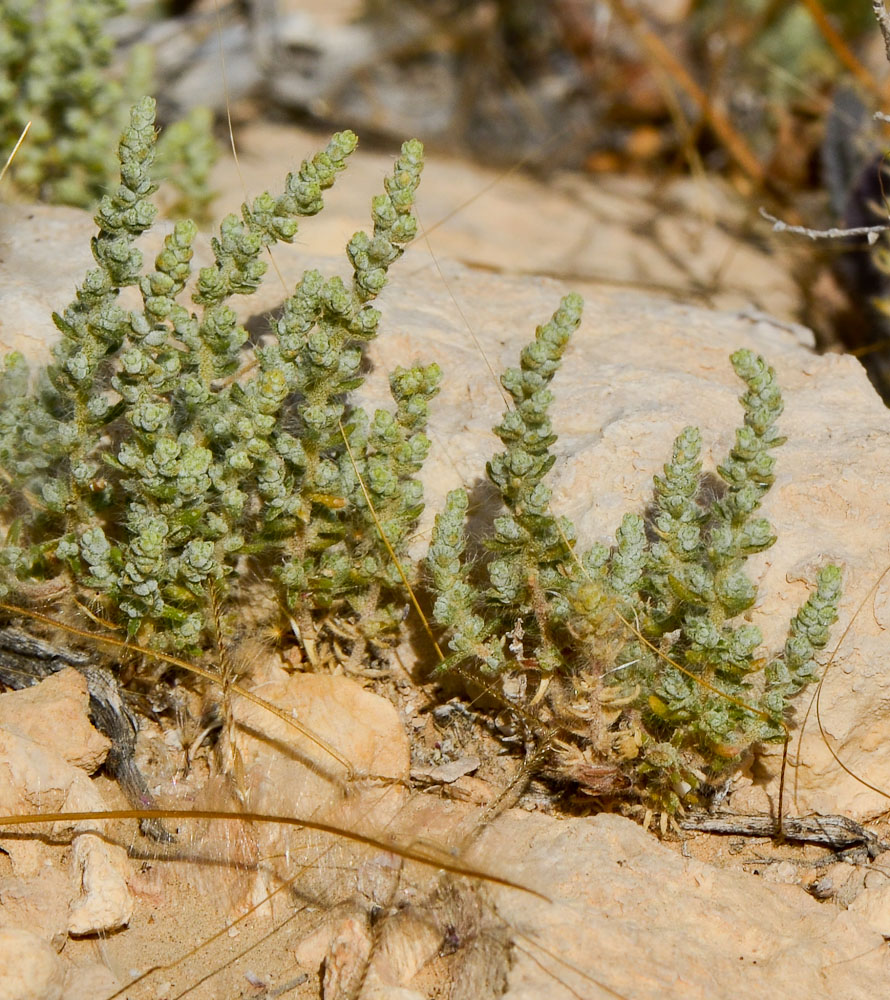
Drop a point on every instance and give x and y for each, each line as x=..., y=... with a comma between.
x=55, y=71
x=781, y=37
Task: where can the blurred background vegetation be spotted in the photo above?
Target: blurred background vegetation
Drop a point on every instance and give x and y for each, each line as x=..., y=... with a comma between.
x=774, y=97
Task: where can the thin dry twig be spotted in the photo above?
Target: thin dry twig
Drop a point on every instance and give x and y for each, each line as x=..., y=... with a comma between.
x=15, y=149
x=870, y=232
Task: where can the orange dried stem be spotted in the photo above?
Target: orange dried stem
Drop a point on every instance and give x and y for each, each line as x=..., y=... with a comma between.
x=15, y=149
x=735, y=144
x=840, y=48
x=441, y=861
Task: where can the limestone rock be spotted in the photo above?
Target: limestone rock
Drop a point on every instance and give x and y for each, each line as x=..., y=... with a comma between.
x=35, y=779
x=338, y=722
x=45, y=254
x=873, y=907
x=617, y=914
x=106, y=903
x=631, y=918
x=88, y=982
x=54, y=714
x=607, y=232
x=29, y=968
x=37, y=904
x=345, y=765
x=30, y=237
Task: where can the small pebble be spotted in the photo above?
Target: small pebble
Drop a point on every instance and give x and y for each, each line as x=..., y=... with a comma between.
x=822, y=888
x=784, y=873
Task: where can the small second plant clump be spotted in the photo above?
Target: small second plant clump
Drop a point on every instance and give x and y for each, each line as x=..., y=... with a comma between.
x=660, y=685
x=163, y=465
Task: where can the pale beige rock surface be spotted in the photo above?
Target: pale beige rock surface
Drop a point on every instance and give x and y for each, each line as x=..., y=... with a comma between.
x=873, y=907
x=29, y=968
x=38, y=904
x=89, y=982
x=346, y=764
x=623, y=913
x=44, y=254
x=54, y=713
x=340, y=723
x=36, y=777
x=105, y=903
x=631, y=918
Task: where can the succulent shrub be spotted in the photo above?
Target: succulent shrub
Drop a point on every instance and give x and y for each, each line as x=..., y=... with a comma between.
x=161, y=455
x=159, y=451
x=668, y=685
x=55, y=59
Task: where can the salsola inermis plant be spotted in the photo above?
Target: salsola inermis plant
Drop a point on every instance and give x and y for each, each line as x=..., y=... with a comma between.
x=160, y=452
x=682, y=673
x=160, y=449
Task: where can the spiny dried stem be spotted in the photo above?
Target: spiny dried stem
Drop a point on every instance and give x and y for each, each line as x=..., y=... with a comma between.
x=833, y=233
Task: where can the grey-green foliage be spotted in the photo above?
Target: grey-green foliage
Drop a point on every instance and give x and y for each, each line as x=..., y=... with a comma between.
x=55, y=59
x=531, y=547
x=689, y=676
x=161, y=448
